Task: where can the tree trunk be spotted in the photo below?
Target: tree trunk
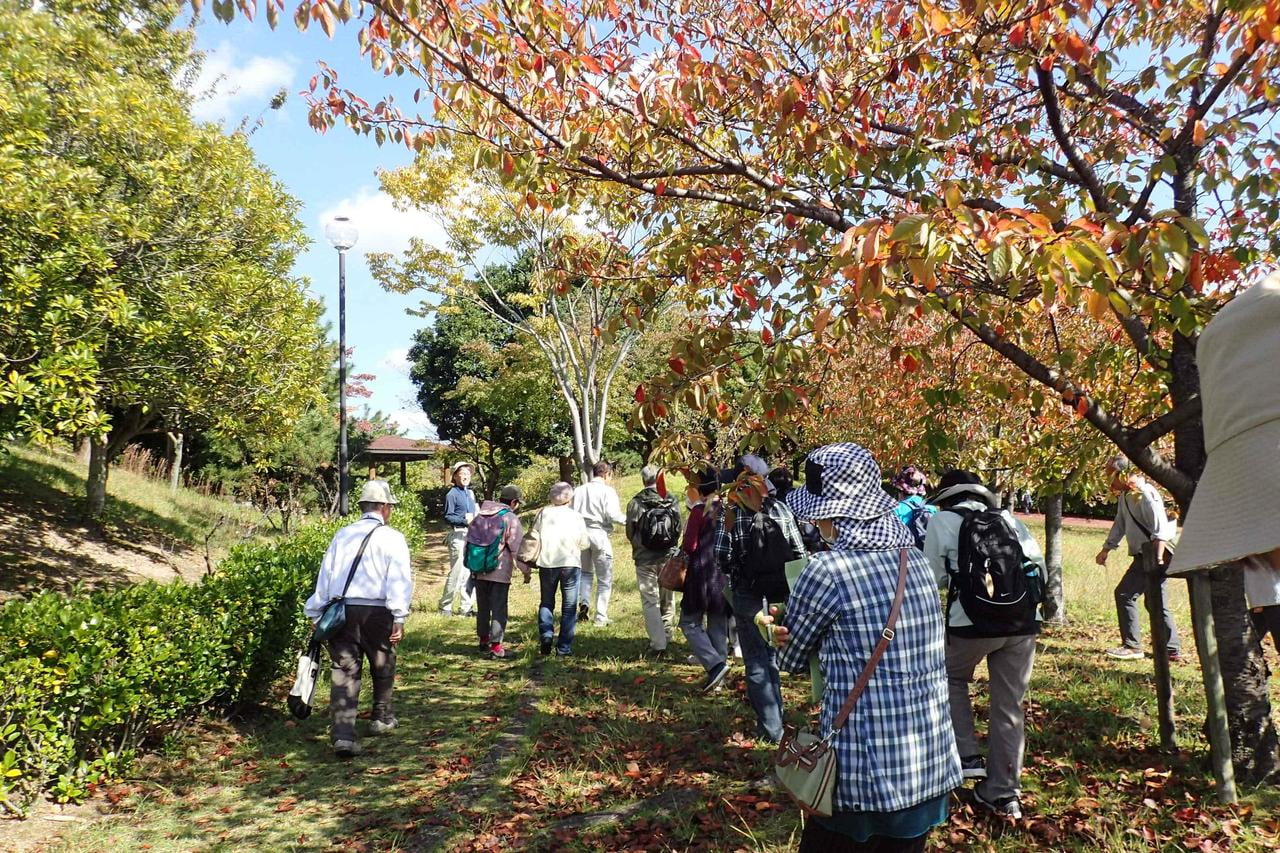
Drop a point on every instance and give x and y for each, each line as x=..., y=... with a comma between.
x=175, y=465
x=566, y=468
x=1055, y=602
x=1255, y=750
x=96, y=484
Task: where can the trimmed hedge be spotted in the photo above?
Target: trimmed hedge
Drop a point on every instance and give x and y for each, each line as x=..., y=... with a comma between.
x=85, y=680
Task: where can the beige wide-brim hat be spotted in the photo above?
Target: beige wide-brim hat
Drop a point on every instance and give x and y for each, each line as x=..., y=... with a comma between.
x=1235, y=511
x=377, y=492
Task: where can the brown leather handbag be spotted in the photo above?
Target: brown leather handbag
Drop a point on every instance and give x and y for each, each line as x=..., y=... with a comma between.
x=805, y=764
x=671, y=575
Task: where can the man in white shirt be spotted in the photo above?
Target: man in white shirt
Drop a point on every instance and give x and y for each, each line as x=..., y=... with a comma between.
x=600, y=508
x=1140, y=518
x=367, y=565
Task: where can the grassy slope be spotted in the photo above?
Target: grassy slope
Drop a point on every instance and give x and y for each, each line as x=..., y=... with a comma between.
x=147, y=532
x=610, y=729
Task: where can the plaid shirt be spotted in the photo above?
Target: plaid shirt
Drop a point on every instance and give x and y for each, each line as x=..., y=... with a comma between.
x=729, y=540
x=897, y=749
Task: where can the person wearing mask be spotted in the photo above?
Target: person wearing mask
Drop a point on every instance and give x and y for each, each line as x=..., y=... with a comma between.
x=1003, y=636
x=1233, y=515
x=367, y=565
x=497, y=522
x=459, y=510
x=704, y=611
x=896, y=753
x=1140, y=518
x=597, y=502
x=653, y=529
x=562, y=535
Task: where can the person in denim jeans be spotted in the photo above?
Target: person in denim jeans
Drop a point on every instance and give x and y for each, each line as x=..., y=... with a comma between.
x=562, y=533
x=764, y=684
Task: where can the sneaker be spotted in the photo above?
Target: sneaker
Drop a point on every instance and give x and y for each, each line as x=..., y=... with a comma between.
x=444, y=612
x=1175, y=656
x=600, y=623
x=484, y=644
x=715, y=677
x=974, y=767
x=382, y=727
x=1008, y=806
x=1125, y=653
x=656, y=654
x=544, y=648
x=564, y=653
x=467, y=614
x=346, y=748
x=496, y=651
x=692, y=660
x=583, y=612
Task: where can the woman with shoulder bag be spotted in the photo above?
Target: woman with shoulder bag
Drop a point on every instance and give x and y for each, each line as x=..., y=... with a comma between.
x=869, y=607
x=704, y=610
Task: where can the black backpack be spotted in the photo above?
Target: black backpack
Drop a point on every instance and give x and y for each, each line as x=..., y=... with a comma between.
x=765, y=554
x=659, y=526
x=996, y=584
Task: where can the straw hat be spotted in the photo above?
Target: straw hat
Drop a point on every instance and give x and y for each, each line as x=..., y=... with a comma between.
x=1237, y=501
x=377, y=492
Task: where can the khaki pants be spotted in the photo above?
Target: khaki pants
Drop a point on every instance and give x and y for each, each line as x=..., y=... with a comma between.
x=1009, y=661
x=366, y=634
x=658, y=604
x=597, y=563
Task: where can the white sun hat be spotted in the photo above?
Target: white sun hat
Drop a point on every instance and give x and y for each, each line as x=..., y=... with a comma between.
x=377, y=492
x=1236, y=508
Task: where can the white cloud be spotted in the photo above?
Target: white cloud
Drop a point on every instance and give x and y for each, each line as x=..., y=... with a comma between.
x=382, y=227
x=396, y=361
x=230, y=86
x=414, y=423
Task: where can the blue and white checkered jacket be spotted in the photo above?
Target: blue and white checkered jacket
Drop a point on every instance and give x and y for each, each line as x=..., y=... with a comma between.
x=897, y=749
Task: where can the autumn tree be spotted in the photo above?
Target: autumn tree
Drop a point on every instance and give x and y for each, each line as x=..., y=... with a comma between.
x=993, y=162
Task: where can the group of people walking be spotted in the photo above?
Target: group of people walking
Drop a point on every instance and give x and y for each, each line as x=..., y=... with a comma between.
x=834, y=569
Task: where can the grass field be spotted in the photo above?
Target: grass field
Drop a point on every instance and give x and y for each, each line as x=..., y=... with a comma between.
x=609, y=751
x=146, y=533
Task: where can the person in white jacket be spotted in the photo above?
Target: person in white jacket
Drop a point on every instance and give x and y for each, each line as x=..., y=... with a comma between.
x=562, y=537
x=378, y=591
x=1007, y=646
x=601, y=509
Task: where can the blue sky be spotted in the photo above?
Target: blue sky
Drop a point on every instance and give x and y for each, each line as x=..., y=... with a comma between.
x=331, y=174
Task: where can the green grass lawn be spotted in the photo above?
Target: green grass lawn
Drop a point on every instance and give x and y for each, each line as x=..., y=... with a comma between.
x=611, y=735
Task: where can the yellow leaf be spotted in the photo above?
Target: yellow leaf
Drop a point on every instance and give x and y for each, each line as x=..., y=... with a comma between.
x=1096, y=304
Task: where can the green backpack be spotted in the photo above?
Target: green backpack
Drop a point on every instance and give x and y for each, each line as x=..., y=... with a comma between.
x=484, y=543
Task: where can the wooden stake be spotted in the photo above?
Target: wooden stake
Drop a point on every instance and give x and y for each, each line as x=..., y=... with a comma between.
x=1159, y=644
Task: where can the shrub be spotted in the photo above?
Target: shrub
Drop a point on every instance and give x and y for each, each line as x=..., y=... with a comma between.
x=86, y=679
x=536, y=479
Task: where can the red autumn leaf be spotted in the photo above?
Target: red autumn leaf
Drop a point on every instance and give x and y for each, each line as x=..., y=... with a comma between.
x=910, y=363
x=676, y=364
x=1018, y=35
x=766, y=335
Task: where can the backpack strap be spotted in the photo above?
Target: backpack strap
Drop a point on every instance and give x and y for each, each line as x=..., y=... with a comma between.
x=886, y=636
x=356, y=562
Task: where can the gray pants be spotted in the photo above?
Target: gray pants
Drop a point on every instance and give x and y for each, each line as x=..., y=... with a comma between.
x=1132, y=587
x=366, y=634
x=491, y=610
x=708, y=636
x=457, y=584
x=1009, y=662
x=658, y=604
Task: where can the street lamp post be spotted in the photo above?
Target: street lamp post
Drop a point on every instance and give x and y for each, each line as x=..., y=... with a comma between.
x=342, y=236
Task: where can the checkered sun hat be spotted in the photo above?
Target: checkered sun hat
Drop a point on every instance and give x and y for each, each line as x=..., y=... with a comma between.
x=841, y=481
